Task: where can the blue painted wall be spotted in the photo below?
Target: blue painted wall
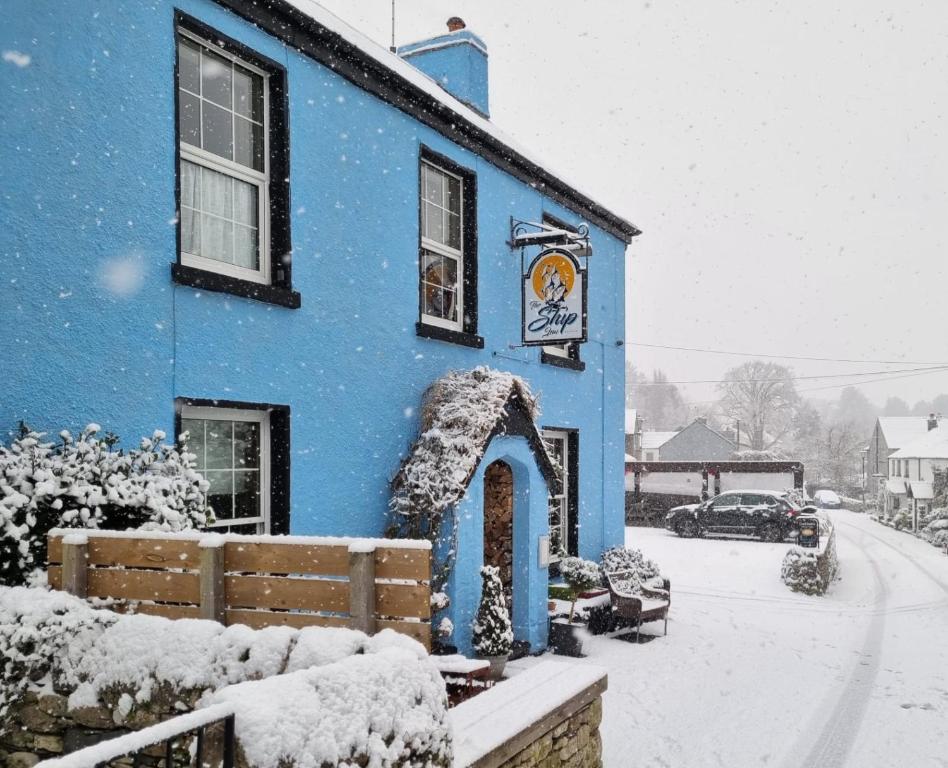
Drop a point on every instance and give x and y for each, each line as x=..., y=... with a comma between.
x=94, y=329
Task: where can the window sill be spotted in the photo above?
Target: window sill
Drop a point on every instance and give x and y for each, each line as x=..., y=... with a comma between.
x=211, y=281
x=562, y=362
x=445, y=334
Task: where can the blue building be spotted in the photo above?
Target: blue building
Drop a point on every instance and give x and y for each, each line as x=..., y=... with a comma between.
x=247, y=220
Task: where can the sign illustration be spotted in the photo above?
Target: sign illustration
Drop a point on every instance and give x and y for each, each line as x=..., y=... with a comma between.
x=554, y=299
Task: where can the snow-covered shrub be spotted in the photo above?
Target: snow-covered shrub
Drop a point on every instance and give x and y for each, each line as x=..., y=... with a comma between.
x=901, y=518
x=936, y=529
x=381, y=710
x=579, y=575
x=811, y=571
x=493, y=634
x=753, y=455
x=84, y=482
x=37, y=629
x=641, y=571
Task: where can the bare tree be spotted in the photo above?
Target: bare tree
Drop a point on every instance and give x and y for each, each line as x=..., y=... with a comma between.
x=658, y=401
x=763, y=397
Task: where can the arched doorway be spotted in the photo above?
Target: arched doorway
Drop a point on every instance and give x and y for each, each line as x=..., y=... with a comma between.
x=498, y=523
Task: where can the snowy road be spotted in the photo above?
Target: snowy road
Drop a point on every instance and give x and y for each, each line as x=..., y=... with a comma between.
x=752, y=674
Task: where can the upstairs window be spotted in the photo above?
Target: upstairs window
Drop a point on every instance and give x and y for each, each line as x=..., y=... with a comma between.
x=442, y=254
x=447, y=254
x=222, y=108
x=233, y=168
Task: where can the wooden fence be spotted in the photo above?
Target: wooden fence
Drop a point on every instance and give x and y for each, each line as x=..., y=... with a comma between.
x=260, y=581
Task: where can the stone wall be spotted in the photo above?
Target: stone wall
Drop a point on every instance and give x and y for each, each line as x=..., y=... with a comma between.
x=574, y=743
x=40, y=726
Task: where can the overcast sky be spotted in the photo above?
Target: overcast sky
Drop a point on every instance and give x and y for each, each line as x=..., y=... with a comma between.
x=786, y=162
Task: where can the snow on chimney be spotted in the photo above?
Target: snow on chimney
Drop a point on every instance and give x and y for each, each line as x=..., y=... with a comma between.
x=932, y=422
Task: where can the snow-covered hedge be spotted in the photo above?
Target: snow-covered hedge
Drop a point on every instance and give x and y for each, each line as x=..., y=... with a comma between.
x=936, y=530
x=811, y=571
x=85, y=482
x=642, y=572
x=328, y=692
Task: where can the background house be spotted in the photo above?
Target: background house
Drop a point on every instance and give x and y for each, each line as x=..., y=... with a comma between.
x=889, y=435
x=697, y=442
x=250, y=222
x=910, y=471
x=652, y=442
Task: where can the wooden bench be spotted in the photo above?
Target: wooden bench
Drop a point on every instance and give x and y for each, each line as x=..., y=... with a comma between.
x=650, y=604
x=463, y=677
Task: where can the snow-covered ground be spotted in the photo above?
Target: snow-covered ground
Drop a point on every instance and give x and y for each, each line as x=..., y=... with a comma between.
x=752, y=674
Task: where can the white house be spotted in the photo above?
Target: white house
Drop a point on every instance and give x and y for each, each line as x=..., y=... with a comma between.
x=652, y=442
x=911, y=471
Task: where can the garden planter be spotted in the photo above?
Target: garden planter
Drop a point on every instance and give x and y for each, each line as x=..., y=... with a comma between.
x=497, y=664
x=566, y=639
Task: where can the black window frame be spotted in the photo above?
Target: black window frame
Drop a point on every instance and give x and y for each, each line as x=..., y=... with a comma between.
x=279, y=290
x=468, y=336
x=572, y=360
x=279, y=450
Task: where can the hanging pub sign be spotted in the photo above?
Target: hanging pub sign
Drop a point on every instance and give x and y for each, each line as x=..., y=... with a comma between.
x=554, y=299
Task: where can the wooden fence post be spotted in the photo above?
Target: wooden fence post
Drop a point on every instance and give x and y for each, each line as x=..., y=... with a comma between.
x=75, y=563
x=212, y=581
x=362, y=591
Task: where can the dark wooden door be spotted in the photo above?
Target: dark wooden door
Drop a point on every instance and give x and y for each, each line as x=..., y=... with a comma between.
x=498, y=523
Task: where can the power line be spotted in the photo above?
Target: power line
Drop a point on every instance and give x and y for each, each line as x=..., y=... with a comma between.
x=782, y=357
x=870, y=381
x=798, y=378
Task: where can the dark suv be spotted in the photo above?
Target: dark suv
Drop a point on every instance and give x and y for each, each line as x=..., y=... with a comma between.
x=766, y=514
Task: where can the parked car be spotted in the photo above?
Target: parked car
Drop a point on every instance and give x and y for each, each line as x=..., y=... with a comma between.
x=827, y=499
x=768, y=515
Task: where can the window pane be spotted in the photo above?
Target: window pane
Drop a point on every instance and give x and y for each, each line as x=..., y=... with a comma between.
x=454, y=231
x=245, y=247
x=220, y=445
x=217, y=130
x=246, y=494
x=439, y=284
x=189, y=73
x=221, y=493
x=216, y=79
x=248, y=148
x=248, y=94
x=190, y=232
x=218, y=191
x=454, y=195
x=245, y=203
x=434, y=224
x=217, y=239
x=246, y=444
x=190, y=185
x=434, y=185
x=195, y=430
x=189, y=118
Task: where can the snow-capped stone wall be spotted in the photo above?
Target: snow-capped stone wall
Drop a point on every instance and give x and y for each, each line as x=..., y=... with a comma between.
x=72, y=675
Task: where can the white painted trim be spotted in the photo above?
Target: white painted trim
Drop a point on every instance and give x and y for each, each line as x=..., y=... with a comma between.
x=262, y=417
x=443, y=250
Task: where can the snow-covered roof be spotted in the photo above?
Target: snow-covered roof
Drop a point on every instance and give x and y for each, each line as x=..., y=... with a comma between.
x=921, y=489
x=895, y=485
x=462, y=411
x=655, y=439
x=901, y=430
x=931, y=444
x=464, y=120
x=629, y=457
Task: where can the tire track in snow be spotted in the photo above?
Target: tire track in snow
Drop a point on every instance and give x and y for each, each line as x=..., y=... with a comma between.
x=841, y=725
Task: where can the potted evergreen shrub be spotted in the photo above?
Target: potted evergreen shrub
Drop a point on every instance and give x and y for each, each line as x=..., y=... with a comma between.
x=580, y=575
x=493, y=635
